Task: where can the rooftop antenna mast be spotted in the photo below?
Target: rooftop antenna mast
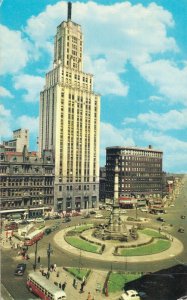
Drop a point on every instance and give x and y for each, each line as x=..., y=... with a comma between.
x=69, y=10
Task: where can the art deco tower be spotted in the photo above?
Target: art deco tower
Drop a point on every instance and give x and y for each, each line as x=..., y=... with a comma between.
x=69, y=121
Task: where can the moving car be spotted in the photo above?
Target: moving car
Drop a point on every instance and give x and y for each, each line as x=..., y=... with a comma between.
x=47, y=231
x=66, y=219
x=130, y=294
x=98, y=216
x=20, y=269
x=181, y=230
x=183, y=217
x=160, y=219
x=39, y=220
x=182, y=298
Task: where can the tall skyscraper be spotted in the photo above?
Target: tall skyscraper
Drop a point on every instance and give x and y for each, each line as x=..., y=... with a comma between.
x=70, y=120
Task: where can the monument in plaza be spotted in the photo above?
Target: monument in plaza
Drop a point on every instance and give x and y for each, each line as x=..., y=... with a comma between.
x=116, y=228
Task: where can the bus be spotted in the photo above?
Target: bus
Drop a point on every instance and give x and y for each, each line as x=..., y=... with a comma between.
x=33, y=237
x=44, y=288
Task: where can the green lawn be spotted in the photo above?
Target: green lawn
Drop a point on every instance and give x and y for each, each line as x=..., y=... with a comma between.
x=151, y=232
x=79, y=273
x=81, y=228
x=156, y=247
x=81, y=244
x=117, y=281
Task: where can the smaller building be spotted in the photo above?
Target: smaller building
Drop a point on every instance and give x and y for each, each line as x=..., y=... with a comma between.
x=133, y=174
x=19, y=140
x=27, y=182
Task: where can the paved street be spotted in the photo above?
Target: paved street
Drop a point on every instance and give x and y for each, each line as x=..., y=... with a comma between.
x=63, y=258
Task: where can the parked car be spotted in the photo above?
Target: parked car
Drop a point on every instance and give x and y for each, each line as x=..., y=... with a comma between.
x=130, y=294
x=86, y=216
x=57, y=217
x=183, y=298
x=76, y=214
x=92, y=212
x=144, y=209
x=108, y=208
x=20, y=269
x=24, y=222
x=172, y=205
x=183, y=217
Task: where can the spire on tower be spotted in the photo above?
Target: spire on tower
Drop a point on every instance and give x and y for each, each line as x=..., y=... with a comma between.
x=69, y=10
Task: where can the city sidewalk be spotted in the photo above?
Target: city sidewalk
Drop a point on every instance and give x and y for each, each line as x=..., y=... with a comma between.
x=94, y=285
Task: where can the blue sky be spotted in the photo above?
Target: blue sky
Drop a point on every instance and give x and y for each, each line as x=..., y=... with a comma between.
x=137, y=51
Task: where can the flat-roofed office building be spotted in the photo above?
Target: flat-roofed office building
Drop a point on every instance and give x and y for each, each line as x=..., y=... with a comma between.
x=133, y=172
x=69, y=121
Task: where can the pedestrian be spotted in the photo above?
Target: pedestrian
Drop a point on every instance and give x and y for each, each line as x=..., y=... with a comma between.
x=82, y=287
x=34, y=267
x=89, y=297
x=60, y=285
x=64, y=285
x=38, y=259
x=74, y=282
x=54, y=267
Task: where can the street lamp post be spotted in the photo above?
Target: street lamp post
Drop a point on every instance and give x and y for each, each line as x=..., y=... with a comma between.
x=49, y=251
x=36, y=250
x=136, y=211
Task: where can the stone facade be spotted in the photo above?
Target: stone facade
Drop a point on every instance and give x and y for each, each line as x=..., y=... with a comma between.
x=27, y=182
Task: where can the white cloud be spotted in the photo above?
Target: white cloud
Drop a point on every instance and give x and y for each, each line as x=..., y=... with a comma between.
x=175, y=150
x=5, y=93
x=4, y=112
x=112, y=136
x=120, y=32
x=155, y=98
x=172, y=120
x=168, y=78
x=31, y=123
x=5, y=122
x=107, y=81
x=13, y=51
x=32, y=84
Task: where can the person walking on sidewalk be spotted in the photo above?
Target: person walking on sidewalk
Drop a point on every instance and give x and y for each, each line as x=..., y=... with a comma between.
x=38, y=259
x=82, y=287
x=64, y=285
x=89, y=297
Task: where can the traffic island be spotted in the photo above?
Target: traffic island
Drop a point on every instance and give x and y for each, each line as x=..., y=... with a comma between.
x=151, y=245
